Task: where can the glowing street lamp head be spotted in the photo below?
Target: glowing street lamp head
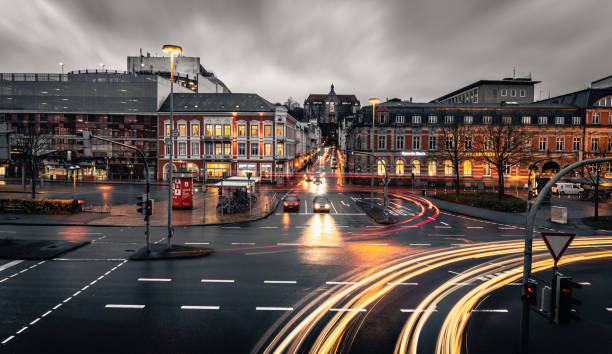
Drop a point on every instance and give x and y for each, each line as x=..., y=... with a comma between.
x=172, y=49
x=374, y=100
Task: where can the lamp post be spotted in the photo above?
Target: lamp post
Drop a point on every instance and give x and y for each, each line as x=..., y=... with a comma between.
x=172, y=50
x=62, y=66
x=373, y=101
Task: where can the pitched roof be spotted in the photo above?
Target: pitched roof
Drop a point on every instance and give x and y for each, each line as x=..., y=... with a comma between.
x=218, y=102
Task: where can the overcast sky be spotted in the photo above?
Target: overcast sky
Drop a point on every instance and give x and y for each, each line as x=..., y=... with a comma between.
x=282, y=48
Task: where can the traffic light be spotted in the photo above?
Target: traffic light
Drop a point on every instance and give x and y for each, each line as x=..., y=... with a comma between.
x=531, y=291
x=142, y=203
x=565, y=287
x=149, y=206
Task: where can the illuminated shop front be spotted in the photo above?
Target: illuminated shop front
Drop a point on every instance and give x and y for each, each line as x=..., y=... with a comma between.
x=215, y=170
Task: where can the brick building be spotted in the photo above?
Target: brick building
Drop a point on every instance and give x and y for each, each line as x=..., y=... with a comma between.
x=329, y=110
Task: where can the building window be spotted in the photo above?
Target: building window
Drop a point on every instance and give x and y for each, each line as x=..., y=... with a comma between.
x=399, y=119
x=507, y=120
x=595, y=118
x=416, y=167
x=543, y=143
x=268, y=149
x=416, y=119
x=218, y=149
x=399, y=167
x=254, y=130
x=559, y=144
x=448, y=143
x=526, y=120
x=559, y=120
x=279, y=130
x=168, y=132
x=399, y=142
x=380, y=167
x=433, y=143
x=487, y=119
x=513, y=92
x=448, y=168
x=381, y=142
x=467, y=168
x=227, y=130
x=494, y=92
x=241, y=130
x=504, y=92
x=168, y=149
x=332, y=107
x=216, y=170
x=218, y=130
x=254, y=149
x=381, y=117
x=182, y=148
x=577, y=144
x=209, y=148
x=507, y=170
x=209, y=129
x=523, y=92
x=468, y=119
x=486, y=169
x=431, y=168
x=279, y=149
x=488, y=144
x=449, y=119
x=594, y=144
x=468, y=143
x=416, y=143
x=542, y=120
x=267, y=130
x=195, y=130
x=576, y=120
x=227, y=149
x=433, y=119
x=195, y=149
x=182, y=130
x=241, y=149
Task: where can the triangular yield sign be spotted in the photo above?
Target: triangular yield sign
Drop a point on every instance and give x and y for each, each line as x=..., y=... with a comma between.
x=557, y=243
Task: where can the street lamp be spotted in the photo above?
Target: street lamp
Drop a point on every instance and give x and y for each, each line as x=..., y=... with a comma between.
x=373, y=101
x=172, y=50
x=62, y=65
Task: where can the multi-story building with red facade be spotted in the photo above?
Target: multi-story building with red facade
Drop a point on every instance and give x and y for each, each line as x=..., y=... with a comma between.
x=228, y=133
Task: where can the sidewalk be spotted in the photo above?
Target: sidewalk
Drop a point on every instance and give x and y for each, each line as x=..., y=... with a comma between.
x=126, y=214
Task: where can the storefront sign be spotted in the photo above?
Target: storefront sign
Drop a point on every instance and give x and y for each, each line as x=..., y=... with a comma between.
x=414, y=153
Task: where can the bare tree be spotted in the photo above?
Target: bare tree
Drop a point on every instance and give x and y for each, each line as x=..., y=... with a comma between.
x=593, y=172
x=457, y=147
x=31, y=147
x=501, y=144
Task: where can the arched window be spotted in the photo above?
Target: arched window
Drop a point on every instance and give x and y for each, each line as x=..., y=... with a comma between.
x=381, y=167
x=604, y=102
x=432, y=167
x=467, y=168
x=416, y=167
x=399, y=167
x=448, y=168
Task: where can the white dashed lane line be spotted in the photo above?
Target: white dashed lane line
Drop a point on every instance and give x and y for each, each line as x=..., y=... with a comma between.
x=417, y=310
x=217, y=281
x=346, y=310
x=155, y=279
x=124, y=306
x=340, y=282
x=200, y=307
x=392, y=283
x=491, y=310
x=264, y=308
x=280, y=282
x=9, y=264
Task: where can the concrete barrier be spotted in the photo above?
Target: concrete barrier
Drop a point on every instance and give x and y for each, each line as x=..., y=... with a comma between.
x=558, y=214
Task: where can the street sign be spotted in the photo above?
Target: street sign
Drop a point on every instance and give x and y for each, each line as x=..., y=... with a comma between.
x=557, y=243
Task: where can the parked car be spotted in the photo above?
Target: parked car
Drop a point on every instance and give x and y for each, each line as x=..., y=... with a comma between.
x=567, y=188
x=321, y=204
x=291, y=202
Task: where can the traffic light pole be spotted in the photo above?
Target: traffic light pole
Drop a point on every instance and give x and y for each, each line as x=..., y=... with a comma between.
x=147, y=181
x=527, y=253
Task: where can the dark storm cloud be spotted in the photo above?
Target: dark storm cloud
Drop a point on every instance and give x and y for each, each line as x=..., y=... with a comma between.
x=282, y=48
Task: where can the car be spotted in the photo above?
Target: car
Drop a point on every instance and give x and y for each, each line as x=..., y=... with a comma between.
x=567, y=188
x=291, y=202
x=321, y=204
x=318, y=180
x=308, y=177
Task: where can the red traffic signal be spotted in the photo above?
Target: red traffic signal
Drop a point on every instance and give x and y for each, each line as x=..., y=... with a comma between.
x=565, y=289
x=531, y=292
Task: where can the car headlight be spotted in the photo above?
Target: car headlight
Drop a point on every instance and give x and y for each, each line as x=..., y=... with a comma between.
x=317, y=206
x=326, y=206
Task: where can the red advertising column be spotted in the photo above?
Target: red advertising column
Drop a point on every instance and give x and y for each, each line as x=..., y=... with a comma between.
x=182, y=191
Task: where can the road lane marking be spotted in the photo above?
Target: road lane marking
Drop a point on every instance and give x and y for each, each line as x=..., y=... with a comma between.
x=230, y=227
x=216, y=281
x=443, y=223
x=200, y=307
x=475, y=227
x=460, y=284
x=584, y=283
x=280, y=281
x=394, y=283
x=506, y=228
x=442, y=227
x=155, y=279
x=515, y=284
x=34, y=322
x=417, y=310
x=287, y=244
x=609, y=309
x=305, y=206
x=22, y=329
x=268, y=227
x=373, y=226
x=332, y=204
x=67, y=299
x=197, y=243
x=57, y=306
x=3, y=280
x=244, y=243
x=342, y=226
x=14, y=232
x=340, y=283
x=456, y=273
x=9, y=264
x=346, y=310
x=77, y=293
x=262, y=308
x=420, y=244
x=46, y=313
x=7, y=339
x=123, y=306
x=345, y=204
x=491, y=310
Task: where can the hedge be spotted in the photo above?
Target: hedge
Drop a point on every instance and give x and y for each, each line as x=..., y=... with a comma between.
x=486, y=200
x=41, y=206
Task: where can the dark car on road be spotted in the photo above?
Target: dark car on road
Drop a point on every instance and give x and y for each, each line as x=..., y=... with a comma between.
x=291, y=202
x=321, y=204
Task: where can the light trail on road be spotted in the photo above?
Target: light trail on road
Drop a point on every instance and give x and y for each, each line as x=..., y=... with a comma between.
x=371, y=285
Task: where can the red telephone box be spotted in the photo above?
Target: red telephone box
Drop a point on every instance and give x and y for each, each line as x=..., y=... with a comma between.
x=182, y=191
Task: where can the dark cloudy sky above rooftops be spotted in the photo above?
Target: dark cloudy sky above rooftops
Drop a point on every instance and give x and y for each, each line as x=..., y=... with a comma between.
x=281, y=48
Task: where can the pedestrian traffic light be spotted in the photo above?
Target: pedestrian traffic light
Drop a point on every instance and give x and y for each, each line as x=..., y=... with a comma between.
x=531, y=291
x=564, y=311
x=142, y=203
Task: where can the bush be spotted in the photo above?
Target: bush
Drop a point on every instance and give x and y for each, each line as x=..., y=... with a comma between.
x=40, y=206
x=486, y=200
x=602, y=222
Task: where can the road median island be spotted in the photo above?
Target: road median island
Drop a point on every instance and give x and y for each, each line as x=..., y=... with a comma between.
x=41, y=206
x=602, y=222
x=376, y=213
x=485, y=200
x=36, y=249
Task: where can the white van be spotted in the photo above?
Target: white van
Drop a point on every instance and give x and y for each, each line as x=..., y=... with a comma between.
x=567, y=188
